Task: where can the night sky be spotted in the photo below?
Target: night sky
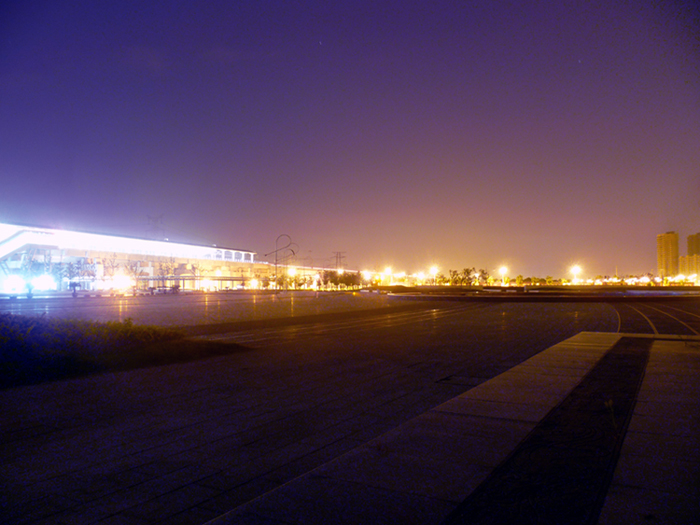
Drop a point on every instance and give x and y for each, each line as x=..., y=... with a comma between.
x=406, y=133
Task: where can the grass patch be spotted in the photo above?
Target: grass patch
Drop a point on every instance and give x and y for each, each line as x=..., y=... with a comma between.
x=38, y=349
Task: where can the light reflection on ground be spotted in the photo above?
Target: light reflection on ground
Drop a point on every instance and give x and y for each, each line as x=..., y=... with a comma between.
x=190, y=309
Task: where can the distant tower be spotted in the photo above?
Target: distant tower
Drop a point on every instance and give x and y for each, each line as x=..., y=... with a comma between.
x=690, y=264
x=667, y=254
x=339, y=256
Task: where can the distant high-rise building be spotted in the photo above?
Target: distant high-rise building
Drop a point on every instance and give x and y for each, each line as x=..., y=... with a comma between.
x=667, y=254
x=689, y=265
x=694, y=244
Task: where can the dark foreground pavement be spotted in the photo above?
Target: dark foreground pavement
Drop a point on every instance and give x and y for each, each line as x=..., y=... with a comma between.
x=601, y=428
x=429, y=416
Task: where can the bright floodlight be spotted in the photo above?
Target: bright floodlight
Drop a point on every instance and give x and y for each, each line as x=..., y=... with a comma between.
x=433, y=270
x=44, y=282
x=13, y=284
x=387, y=270
x=121, y=282
x=575, y=270
x=292, y=271
x=503, y=271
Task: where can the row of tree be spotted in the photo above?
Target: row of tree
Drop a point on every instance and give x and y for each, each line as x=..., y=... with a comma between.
x=326, y=279
x=465, y=277
x=472, y=277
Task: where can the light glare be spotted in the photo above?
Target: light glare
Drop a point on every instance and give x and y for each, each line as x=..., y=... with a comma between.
x=13, y=284
x=44, y=282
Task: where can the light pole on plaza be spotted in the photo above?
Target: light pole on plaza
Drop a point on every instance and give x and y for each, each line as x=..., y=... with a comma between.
x=278, y=249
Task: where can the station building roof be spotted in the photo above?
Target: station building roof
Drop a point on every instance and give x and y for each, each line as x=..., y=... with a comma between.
x=16, y=238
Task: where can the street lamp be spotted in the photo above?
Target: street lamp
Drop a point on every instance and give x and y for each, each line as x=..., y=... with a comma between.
x=387, y=273
x=575, y=270
x=503, y=271
x=287, y=247
x=434, y=272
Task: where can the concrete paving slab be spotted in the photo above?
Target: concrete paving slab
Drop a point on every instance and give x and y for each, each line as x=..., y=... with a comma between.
x=429, y=455
x=660, y=474
x=395, y=471
x=494, y=409
x=238, y=495
x=455, y=437
x=632, y=505
x=344, y=503
x=657, y=479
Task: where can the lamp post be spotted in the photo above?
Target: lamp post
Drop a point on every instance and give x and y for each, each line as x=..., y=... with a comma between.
x=434, y=272
x=279, y=249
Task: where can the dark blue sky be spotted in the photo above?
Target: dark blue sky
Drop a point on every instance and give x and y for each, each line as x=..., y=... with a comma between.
x=532, y=134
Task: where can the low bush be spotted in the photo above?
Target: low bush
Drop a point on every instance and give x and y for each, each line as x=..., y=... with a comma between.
x=37, y=349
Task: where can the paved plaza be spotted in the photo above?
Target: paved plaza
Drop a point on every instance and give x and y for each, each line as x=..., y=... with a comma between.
x=380, y=413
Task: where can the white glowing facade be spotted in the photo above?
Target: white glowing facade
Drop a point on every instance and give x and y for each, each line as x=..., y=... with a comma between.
x=14, y=238
x=94, y=259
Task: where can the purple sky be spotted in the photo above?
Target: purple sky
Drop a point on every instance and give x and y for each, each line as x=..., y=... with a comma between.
x=403, y=133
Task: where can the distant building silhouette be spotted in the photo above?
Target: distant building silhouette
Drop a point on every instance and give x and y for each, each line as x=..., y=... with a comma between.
x=667, y=254
x=690, y=264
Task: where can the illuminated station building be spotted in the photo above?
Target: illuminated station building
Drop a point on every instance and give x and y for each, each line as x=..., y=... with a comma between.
x=43, y=258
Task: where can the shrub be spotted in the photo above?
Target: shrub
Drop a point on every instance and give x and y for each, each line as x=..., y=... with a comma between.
x=34, y=349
